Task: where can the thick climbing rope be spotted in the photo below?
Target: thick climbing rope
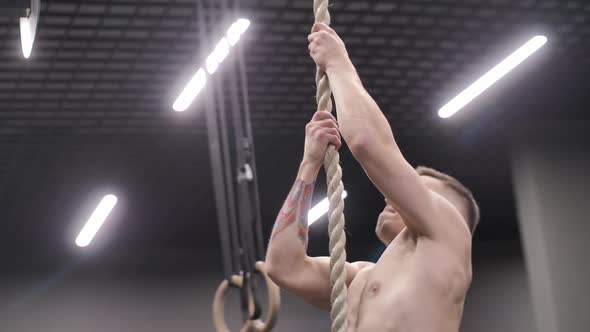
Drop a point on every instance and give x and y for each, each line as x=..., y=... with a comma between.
x=338, y=293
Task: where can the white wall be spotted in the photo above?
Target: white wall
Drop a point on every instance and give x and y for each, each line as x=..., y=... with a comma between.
x=552, y=187
x=499, y=298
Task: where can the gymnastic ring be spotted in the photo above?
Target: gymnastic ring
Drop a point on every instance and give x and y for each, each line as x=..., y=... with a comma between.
x=258, y=325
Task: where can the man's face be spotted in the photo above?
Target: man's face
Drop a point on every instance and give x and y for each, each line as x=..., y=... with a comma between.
x=390, y=222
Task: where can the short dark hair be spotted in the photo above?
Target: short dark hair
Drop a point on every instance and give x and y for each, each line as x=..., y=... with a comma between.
x=471, y=204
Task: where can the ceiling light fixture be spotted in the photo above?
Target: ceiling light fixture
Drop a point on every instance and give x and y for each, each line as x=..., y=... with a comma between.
x=221, y=51
x=492, y=76
x=28, y=28
x=236, y=30
x=96, y=220
x=190, y=91
x=320, y=209
x=217, y=56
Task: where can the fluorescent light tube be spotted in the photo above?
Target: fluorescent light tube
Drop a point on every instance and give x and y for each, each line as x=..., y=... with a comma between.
x=217, y=56
x=221, y=51
x=28, y=27
x=320, y=209
x=489, y=78
x=26, y=36
x=96, y=220
x=190, y=91
x=236, y=30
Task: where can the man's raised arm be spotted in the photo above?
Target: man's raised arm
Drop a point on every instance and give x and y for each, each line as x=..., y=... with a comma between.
x=287, y=262
x=369, y=136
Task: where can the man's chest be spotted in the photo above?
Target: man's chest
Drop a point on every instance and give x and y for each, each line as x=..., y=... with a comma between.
x=373, y=293
x=402, y=284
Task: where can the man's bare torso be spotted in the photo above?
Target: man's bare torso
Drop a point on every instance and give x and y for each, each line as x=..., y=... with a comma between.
x=417, y=285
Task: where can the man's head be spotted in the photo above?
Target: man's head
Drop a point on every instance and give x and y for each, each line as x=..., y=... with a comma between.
x=390, y=223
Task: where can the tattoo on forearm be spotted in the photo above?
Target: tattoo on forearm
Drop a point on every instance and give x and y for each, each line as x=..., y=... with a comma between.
x=304, y=208
x=295, y=209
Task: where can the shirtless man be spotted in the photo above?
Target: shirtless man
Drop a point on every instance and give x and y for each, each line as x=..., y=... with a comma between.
x=420, y=282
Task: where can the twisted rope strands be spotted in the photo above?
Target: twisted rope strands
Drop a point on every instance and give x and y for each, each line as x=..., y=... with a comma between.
x=338, y=294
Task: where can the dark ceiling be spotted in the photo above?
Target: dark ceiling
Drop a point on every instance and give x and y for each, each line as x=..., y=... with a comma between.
x=90, y=112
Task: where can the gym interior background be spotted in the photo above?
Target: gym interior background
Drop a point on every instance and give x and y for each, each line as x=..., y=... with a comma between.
x=90, y=112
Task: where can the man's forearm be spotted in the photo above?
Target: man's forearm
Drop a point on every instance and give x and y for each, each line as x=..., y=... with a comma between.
x=358, y=113
x=288, y=243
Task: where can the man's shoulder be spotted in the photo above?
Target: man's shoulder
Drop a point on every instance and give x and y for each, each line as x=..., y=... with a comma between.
x=360, y=270
x=451, y=227
x=453, y=242
x=360, y=265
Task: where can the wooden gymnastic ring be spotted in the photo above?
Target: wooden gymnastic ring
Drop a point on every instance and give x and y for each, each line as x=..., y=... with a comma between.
x=258, y=325
x=274, y=301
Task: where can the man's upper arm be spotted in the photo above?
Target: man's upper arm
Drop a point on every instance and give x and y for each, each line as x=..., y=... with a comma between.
x=400, y=183
x=311, y=282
